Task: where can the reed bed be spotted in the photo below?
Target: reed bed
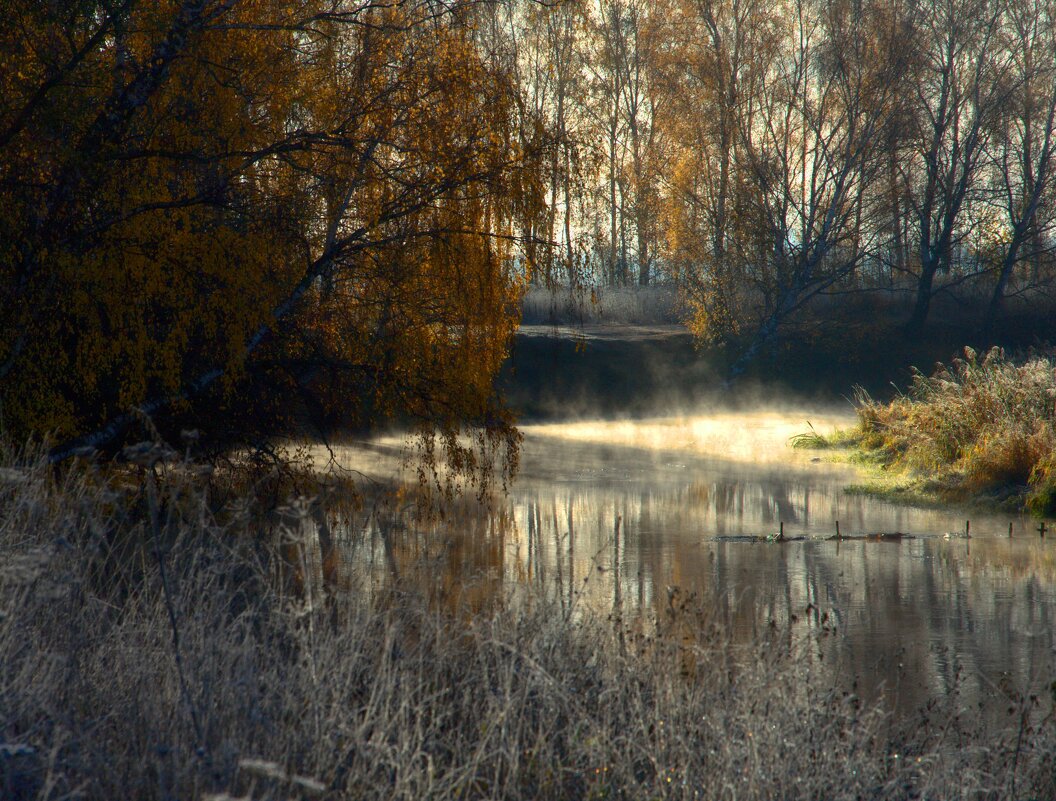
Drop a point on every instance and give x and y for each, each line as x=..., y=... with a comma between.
x=155, y=644
x=982, y=426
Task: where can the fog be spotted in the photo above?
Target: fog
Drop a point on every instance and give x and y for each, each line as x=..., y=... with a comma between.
x=759, y=436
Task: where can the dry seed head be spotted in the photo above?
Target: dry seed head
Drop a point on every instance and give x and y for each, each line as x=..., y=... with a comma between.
x=24, y=568
x=262, y=767
x=272, y=770
x=12, y=475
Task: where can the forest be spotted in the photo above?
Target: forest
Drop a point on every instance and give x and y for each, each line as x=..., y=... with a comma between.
x=342, y=202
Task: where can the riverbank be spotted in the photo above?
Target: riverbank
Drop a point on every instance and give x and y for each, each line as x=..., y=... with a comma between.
x=627, y=355
x=158, y=646
x=977, y=432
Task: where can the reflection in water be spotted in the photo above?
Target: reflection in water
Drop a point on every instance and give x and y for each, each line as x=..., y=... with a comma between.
x=617, y=514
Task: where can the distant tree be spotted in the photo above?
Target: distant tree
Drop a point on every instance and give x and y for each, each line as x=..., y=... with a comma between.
x=1022, y=144
x=549, y=41
x=638, y=41
x=958, y=87
x=608, y=75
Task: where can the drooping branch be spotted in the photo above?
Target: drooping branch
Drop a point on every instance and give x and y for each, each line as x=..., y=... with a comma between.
x=337, y=248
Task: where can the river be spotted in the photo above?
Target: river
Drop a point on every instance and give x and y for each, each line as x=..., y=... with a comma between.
x=627, y=515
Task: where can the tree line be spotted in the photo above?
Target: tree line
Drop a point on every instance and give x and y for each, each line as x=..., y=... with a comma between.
x=760, y=152
x=333, y=205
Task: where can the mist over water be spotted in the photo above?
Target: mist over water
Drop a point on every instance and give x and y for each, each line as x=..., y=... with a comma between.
x=615, y=515
x=750, y=436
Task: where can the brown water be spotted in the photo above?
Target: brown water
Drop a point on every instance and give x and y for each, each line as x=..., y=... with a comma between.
x=616, y=515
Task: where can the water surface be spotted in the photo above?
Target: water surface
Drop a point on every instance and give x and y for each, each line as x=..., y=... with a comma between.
x=628, y=514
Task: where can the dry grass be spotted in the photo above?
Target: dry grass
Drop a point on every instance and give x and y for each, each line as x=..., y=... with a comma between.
x=978, y=427
x=153, y=648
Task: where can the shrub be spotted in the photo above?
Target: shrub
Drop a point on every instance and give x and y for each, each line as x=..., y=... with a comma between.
x=1041, y=500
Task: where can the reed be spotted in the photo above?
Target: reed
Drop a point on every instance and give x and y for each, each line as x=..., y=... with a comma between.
x=978, y=427
x=154, y=646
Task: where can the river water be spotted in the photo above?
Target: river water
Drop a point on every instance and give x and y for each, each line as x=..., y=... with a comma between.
x=628, y=515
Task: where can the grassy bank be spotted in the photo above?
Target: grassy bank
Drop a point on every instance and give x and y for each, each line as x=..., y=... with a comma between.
x=160, y=644
x=979, y=430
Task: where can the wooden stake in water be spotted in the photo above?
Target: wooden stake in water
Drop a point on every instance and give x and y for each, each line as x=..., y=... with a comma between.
x=1010, y=529
x=781, y=531
x=967, y=529
x=837, y=529
x=1041, y=529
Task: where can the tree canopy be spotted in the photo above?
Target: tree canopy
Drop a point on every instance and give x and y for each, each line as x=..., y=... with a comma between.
x=196, y=191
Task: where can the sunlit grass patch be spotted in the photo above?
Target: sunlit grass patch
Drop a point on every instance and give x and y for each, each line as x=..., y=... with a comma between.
x=811, y=439
x=978, y=429
x=903, y=490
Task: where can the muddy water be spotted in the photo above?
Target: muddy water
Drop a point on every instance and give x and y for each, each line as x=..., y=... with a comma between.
x=626, y=515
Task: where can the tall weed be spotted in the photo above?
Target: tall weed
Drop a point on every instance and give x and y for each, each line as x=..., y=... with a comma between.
x=154, y=647
x=978, y=425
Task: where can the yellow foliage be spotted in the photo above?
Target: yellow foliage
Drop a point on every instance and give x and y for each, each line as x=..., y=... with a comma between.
x=178, y=178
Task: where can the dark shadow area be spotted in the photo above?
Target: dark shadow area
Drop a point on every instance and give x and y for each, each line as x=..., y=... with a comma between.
x=603, y=369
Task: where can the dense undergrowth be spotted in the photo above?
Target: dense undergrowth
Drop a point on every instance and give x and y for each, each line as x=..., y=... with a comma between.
x=157, y=644
x=980, y=429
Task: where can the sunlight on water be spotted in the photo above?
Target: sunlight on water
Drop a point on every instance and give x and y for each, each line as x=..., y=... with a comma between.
x=759, y=436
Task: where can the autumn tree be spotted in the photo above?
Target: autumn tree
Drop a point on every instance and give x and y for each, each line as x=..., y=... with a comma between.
x=801, y=96
x=199, y=192
x=720, y=51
